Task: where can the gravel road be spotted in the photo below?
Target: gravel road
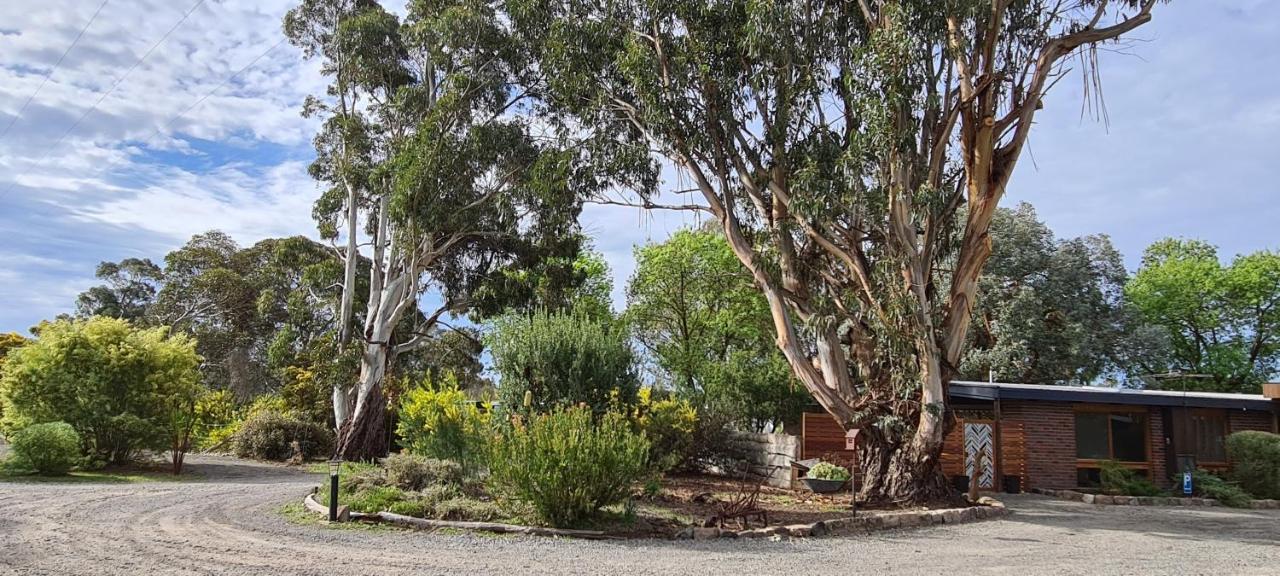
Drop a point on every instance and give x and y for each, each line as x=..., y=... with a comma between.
x=229, y=523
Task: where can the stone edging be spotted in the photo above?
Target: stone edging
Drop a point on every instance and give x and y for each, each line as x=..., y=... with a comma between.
x=987, y=508
x=1109, y=500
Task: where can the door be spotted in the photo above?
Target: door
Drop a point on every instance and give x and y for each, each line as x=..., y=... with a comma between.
x=979, y=446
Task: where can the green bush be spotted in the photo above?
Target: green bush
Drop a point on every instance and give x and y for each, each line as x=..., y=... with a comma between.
x=117, y=385
x=669, y=424
x=1117, y=479
x=828, y=471
x=270, y=436
x=442, y=423
x=51, y=449
x=413, y=472
x=1255, y=462
x=566, y=465
x=1207, y=485
x=462, y=508
x=558, y=359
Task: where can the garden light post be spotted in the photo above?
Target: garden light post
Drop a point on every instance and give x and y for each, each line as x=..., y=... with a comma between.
x=334, y=466
x=851, y=443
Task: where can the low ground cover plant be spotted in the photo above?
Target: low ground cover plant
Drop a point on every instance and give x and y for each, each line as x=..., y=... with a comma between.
x=415, y=486
x=1117, y=479
x=49, y=449
x=566, y=465
x=1255, y=462
x=1208, y=485
x=828, y=471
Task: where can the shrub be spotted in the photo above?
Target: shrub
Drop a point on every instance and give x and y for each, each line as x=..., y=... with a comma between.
x=565, y=465
x=442, y=423
x=1117, y=479
x=828, y=471
x=51, y=449
x=1255, y=462
x=270, y=436
x=1207, y=485
x=669, y=424
x=115, y=384
x=413, y=472
x=562, y=360
x=462, y=508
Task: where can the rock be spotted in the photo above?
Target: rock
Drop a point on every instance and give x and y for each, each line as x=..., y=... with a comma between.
x=800, y=530
x=1087, y=499
x=1104, y=499
x=951, y=517
x=686, y=534
x=819, y=529
x=706, y=533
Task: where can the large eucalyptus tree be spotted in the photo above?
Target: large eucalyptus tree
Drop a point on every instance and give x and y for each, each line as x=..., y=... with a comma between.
x=434, y=171
x=854, y=154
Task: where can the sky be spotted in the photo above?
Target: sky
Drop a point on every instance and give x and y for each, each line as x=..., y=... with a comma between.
x=127, y=151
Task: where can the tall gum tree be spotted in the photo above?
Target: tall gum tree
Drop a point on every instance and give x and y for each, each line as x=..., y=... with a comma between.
x=433, y=171
x=854, y=154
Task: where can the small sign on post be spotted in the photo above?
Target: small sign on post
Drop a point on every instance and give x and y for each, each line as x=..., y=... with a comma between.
x=1186, y=483
x=851, y=443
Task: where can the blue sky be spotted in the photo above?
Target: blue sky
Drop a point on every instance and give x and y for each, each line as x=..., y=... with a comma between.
x=1193, y=101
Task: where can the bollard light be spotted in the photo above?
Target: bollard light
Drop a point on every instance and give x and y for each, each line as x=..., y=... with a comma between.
x=334, y=466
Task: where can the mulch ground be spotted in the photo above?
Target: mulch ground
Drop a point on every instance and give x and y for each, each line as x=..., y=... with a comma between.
x=690, y=500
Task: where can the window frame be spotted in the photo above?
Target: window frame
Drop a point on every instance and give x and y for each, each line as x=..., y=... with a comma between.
x=1142, y=411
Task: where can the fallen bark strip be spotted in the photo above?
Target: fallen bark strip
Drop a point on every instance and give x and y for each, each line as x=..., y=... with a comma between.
x=487, y=527
x=315, y=506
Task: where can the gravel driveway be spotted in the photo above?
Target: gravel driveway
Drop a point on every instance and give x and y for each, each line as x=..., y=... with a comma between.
x=228, y=523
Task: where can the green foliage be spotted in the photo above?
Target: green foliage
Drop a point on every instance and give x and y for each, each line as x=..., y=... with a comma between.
x=1222, y=321
x=562, y=359
x=695, y=310
x=1117, y=479
x=1255, y=462
x=441, y=422
x=118, y=386
x=669, y=424
x=1209, y=485
x=828, y=471
x=567, y=464
x=413, y=472
x=1052, y=311
x=271, y=436
x=51, y=448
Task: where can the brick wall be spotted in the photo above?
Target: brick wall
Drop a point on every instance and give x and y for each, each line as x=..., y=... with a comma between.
x=1238, y=420
x=1051, y=441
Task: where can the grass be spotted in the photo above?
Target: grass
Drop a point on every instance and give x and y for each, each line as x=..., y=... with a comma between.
x=347, y=467
x=110, y=475
x=297, y=513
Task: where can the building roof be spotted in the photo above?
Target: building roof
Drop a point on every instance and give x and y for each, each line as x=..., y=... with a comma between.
x=1100, y=395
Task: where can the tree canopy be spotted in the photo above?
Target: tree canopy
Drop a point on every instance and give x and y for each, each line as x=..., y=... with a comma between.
x=853, y=155
x=1222, y=322
x=1052, y=311
x=694, y=310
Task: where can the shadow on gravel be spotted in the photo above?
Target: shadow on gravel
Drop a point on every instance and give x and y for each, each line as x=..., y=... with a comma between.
x=1179, y=524
x=205, y=468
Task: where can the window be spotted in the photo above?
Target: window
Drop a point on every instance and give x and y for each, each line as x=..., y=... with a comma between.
x=1120, y=436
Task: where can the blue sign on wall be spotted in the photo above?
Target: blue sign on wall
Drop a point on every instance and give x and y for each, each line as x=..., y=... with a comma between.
x=1186, y=483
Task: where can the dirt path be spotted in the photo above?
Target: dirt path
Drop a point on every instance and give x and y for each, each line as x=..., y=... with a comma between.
x=229, y=523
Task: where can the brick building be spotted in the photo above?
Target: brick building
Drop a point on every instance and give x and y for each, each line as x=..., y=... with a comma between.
x=1036, y=436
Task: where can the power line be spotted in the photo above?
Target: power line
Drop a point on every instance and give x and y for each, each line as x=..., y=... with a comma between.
x=136, y=63
x=54, y=69
x=174, y=118
x=227, y=80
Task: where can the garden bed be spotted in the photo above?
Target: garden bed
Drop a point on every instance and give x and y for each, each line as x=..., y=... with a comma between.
x=685, y=506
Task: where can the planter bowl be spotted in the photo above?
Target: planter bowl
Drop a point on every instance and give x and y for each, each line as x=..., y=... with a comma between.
x=823, y=486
